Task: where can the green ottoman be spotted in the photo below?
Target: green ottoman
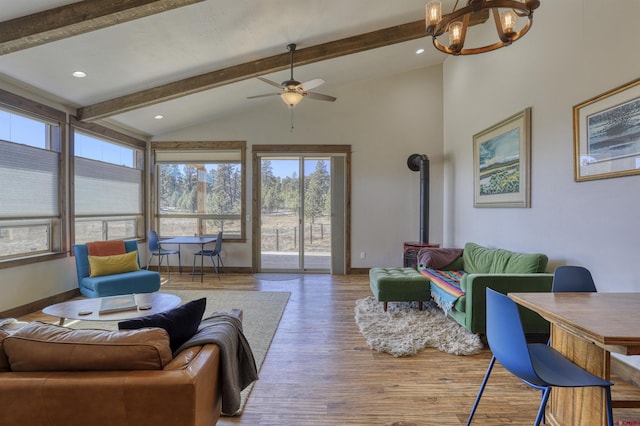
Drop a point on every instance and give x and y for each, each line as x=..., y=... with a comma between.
x=399, y=285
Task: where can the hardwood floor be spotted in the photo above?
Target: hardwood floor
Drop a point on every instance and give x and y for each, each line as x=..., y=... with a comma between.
x=319, y=371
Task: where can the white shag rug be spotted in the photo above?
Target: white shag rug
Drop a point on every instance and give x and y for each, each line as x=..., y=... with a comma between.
x=404, y=330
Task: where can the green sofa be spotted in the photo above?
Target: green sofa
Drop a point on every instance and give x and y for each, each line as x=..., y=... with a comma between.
x=458, y=281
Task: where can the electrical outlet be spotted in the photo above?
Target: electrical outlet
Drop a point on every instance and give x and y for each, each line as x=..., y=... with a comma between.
x=363, y=255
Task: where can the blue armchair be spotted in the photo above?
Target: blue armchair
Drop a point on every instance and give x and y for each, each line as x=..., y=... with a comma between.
x=141, y=281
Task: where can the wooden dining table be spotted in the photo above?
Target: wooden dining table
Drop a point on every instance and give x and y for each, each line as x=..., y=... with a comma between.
x=586, y=328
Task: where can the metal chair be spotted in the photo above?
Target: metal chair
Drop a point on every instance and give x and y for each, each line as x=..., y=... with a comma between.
x=572, y=279
x=536, y=364
x=155, y=249
x=215, y=253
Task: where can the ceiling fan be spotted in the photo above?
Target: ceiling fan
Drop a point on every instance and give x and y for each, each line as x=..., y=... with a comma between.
x=292, y=90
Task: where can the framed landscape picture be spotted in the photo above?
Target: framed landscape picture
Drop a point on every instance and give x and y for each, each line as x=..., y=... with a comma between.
x=606, y=134
x=501, y=163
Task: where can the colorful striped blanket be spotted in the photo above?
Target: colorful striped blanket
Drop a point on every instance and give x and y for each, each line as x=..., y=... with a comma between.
x=445, y=287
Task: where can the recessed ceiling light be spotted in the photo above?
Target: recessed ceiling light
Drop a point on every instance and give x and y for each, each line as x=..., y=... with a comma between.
x=79, y=74
x=159, y=117
x=419, y=51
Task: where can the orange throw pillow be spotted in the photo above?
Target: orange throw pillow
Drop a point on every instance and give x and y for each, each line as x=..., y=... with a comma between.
x=106, y=248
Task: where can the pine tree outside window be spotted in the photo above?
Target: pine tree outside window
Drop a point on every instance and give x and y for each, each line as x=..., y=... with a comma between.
x=199, y=189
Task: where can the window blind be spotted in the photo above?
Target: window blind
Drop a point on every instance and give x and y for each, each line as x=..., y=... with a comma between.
x=106, y=189
x=198, y=156
x=28, y=181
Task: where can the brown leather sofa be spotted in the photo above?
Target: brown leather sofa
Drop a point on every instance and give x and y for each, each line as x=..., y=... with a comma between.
x=54, y=376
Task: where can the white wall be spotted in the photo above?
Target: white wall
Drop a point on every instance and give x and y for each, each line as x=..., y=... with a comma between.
x=384, y=121
x=587, y=223
x=568, y=57
x=25, y=284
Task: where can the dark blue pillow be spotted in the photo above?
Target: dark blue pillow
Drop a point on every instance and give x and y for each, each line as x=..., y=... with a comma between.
x=181, y=323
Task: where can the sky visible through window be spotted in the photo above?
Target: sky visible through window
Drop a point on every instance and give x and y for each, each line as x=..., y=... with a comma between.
x=19, y=129
x=27, y=131
x=96, y=149
x=286, y=168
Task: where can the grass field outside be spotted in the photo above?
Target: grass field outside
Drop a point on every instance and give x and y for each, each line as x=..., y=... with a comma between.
x=279, y=233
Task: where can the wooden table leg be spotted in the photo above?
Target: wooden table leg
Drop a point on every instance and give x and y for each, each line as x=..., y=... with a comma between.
x=579, y=406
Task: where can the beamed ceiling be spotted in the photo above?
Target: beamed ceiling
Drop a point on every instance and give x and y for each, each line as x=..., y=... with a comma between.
x=197, y=60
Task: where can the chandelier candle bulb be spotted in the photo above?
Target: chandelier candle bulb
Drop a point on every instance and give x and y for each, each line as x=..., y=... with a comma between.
x=434, y=13
x=509, y=19
x=455, y=35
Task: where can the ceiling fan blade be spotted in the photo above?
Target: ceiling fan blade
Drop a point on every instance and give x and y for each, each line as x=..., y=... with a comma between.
x=263, y=96
x=311, y=84
x=320, y=96
x=273, y=83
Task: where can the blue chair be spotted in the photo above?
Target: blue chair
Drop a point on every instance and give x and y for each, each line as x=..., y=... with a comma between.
x=536, y=364
x=140, y=281
x=155, y=249
x=213, y=254
x=570, y=279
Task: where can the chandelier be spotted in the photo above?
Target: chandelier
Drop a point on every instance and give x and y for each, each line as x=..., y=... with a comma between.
x=505, y=14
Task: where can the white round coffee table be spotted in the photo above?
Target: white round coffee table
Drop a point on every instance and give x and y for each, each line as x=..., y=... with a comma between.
x=88, y=309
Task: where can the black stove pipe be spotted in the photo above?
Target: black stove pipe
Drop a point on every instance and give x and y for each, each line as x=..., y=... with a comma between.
x=420, y=162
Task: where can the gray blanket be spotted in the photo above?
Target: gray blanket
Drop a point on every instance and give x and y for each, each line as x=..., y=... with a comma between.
x=437, y=258
x=237, y=364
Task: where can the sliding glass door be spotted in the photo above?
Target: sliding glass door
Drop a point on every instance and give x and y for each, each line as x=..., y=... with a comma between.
x=295, y=213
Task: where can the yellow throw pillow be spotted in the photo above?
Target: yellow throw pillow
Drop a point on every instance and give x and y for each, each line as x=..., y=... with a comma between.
x=116, y=264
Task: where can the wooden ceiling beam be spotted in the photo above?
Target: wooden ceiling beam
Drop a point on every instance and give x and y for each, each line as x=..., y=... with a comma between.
x=233, y=74
x=76, y=18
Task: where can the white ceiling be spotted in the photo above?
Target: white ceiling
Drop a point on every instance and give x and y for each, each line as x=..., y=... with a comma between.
x=204, y=37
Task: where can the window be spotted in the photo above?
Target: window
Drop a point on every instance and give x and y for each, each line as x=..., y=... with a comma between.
x=108, y=187
x=23, y=130
x=199, y=189
x=30, y=163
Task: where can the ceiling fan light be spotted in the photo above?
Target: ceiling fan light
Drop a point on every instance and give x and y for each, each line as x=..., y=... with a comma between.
x=291, y=98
